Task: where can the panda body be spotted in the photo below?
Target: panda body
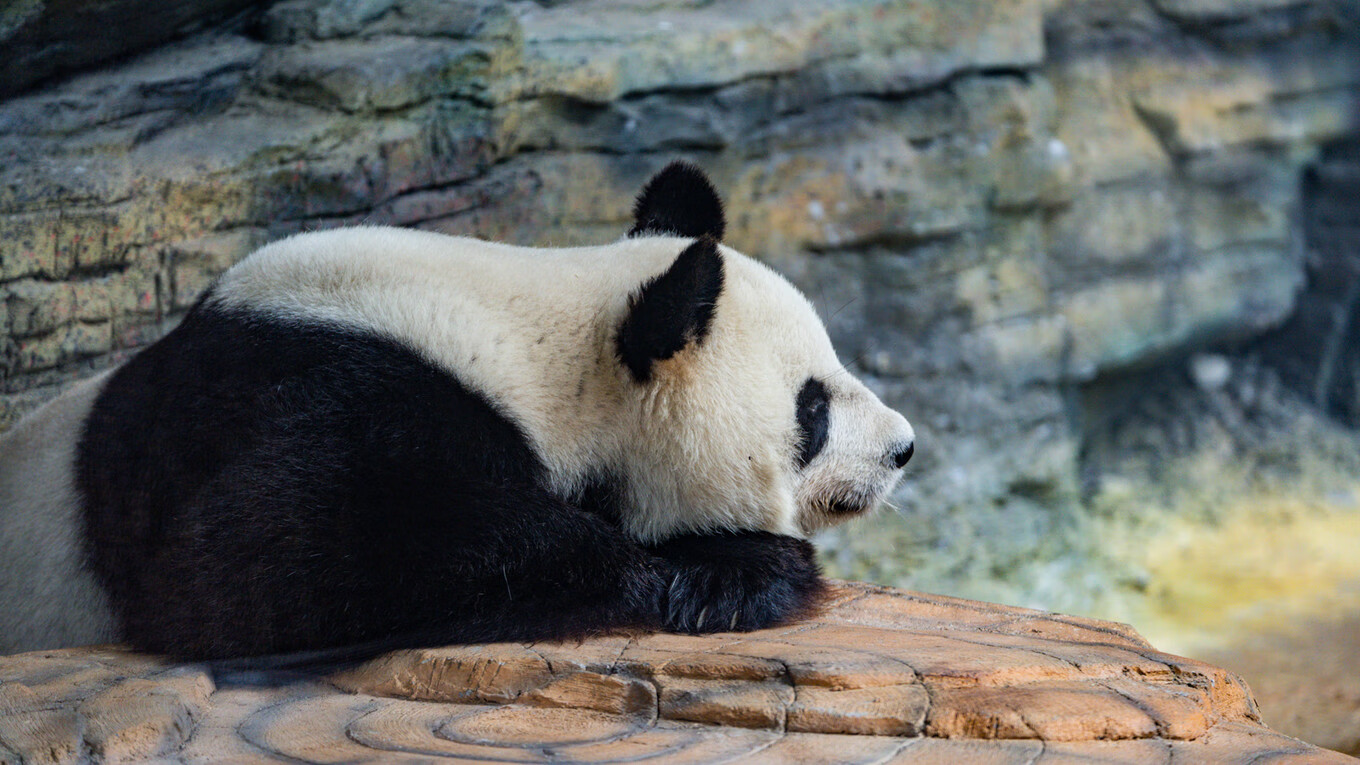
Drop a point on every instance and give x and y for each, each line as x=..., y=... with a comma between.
x=385, y=435
x=532, y=329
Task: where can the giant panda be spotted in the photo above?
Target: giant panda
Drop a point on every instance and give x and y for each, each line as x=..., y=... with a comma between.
x=384, y=436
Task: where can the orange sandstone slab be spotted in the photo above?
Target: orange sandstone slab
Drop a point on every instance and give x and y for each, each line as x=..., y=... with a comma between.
x=881, y=675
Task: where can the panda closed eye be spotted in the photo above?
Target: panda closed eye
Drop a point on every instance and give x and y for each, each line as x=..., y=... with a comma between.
x=814, y=415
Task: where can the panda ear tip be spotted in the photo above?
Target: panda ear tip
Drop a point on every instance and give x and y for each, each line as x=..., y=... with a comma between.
x=680, y=200
x=684, y=171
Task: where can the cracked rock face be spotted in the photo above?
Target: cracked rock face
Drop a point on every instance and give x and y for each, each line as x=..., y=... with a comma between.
x=881, y=675
x=43, y=39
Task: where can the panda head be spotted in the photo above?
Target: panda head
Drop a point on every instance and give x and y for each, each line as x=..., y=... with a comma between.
x=740, y=410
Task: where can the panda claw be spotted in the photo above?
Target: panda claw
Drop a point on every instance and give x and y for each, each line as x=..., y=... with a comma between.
x=699, y=623
x=672, y=600
x=735, y=615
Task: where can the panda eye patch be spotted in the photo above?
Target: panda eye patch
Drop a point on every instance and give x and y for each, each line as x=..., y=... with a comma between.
x=814, y=419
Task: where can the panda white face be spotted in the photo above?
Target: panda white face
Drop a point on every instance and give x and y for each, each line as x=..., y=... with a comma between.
x=765, y=421
x=863, y=452
x=748, y=419
x=845, y=449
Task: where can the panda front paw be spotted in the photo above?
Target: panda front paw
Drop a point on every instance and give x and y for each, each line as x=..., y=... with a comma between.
x=737, y=581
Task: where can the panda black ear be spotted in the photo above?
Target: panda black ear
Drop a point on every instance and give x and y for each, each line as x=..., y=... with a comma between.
x=672, y=310
x=679, y=201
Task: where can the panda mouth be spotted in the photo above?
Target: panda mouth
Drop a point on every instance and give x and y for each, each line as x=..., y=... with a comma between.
x=849, y=501
x=846, y=507
x=833, y=507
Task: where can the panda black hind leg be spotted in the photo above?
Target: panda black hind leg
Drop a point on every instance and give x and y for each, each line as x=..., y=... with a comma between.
x=254, y=485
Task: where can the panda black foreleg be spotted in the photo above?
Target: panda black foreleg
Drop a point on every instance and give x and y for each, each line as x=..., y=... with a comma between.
x=491, y=564
x=568, y=574
x=538, y=568
x=543, y=569
x=741, y=580
x=534, y=568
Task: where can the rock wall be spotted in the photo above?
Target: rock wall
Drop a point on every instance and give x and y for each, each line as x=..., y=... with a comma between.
x=44, y=39
x=999, y=206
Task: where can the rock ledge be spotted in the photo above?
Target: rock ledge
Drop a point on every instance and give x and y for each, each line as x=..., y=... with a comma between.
x=882, y=674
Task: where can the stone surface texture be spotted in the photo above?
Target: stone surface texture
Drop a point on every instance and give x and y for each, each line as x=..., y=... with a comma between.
x=881, y=676
x=47, y=38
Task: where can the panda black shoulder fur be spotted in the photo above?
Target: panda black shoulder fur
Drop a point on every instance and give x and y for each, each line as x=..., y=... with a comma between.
x=376, y=434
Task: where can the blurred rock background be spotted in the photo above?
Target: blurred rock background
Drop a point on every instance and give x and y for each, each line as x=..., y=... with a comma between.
x=1104, y=254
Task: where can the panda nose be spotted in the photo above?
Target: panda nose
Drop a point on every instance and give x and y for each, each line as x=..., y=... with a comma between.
x=902, y=454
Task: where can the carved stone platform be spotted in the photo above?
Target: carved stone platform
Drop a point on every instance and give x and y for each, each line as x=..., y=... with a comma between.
x=882, y=676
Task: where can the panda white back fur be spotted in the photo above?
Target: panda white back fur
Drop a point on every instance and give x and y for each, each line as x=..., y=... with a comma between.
x=395, y=436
